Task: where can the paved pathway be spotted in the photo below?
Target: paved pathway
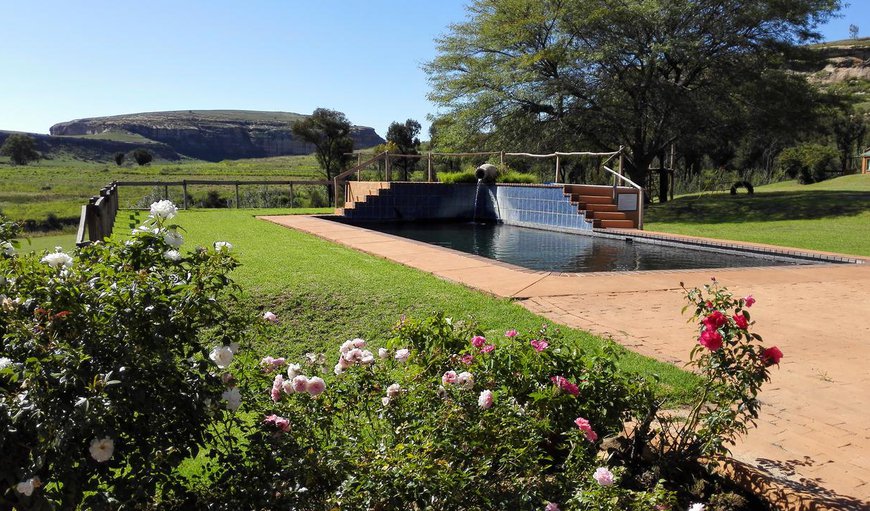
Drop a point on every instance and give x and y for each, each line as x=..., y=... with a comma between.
x=812, y=444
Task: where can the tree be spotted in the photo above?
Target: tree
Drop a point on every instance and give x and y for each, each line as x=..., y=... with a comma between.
x=119, y=158
x=849, y=131
x=635, y=73
x=329, y=132
x=407, y=142
x=142, y=156
x=853, y=31
x=20, y=148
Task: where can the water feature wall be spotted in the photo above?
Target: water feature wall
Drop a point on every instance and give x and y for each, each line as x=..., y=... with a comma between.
x=539, y=206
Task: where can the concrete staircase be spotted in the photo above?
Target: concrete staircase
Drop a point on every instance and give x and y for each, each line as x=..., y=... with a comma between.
x=360, y=192
x=596, y=203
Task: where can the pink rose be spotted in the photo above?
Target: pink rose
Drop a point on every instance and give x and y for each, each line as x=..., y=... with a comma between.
x=467, y=359
x=269, y=364
x=358, y=343
x=287, y=386
x=710, y=339
x=279, y=422
x=748, y=301
x=603, y=476
x=510, y=334
x=448, y=378
x=740, y=321
x=565, y=385
x=277, y=387
x=771, y=356
x=300, y=383
x=487, y=348
x=539, y=345
x=478, y=341
x=315, y=386
x=485, y=400
x=586, y=428
x=715, y=320
x=270, y=316
x=552, y=506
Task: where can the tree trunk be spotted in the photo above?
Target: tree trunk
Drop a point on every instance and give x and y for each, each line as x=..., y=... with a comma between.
x=664, y=179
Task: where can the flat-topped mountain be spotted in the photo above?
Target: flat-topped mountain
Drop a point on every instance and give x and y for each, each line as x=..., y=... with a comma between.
x=211, y=135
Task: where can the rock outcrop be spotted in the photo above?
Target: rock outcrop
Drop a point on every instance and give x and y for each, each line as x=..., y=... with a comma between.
x=213, y=135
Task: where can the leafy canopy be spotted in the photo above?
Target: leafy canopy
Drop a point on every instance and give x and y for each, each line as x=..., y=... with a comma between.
x=329, y=132
x=20, y=148
x=638, y=73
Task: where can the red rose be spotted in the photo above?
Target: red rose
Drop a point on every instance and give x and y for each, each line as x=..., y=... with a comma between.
x=748, y=301
x=710, y=339
x=771, y=355
x=715, y=320
x=565, y=385
x=741, y=322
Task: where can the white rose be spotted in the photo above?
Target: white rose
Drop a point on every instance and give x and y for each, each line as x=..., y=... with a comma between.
x=221, y=246
x=172, y=255
x=402, y=355
x=358, y=343
x=222, y=356
x=345, y=346
x=696, y=507
x=5, y=362
x=367, y=358
x=338, y=369
x=354, y=355
x=233, y=398
x=58, y=260
x=7, y=248
x=465, y=380
x=164, y=209
x=102, y=448
x=393, y=390
x=293, y=370
x=270, y=317
x=25, y=487
x=173, y=239
x=385, y=401
x=383, y=353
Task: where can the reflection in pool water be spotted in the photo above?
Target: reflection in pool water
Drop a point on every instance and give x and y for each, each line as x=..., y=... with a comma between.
x=561, y=252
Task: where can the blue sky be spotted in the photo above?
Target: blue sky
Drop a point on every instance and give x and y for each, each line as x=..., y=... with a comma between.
x=65, y=60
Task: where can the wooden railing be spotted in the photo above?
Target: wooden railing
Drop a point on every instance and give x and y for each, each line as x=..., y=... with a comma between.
x=98, y=216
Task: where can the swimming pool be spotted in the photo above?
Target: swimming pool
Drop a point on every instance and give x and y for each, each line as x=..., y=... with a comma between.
x=538, y=249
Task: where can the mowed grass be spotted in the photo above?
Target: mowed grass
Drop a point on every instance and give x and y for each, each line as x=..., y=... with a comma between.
x=832, y=216
x=326, y=293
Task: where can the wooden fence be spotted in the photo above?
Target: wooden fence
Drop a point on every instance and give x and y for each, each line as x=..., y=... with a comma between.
x=98, y=215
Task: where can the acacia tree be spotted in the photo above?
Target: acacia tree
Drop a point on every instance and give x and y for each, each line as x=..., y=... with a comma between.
x=329, y=132
x=637, y=73
x=404, y=136
x=20, y=148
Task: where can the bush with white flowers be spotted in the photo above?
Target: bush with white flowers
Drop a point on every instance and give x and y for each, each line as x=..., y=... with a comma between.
x=111, y=365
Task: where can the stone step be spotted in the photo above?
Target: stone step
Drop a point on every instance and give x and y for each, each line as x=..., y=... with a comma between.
x=601, y=207
x=339, y=211
x=588, y=190
x=609, y=215
x=594, y=199
x=617, y=224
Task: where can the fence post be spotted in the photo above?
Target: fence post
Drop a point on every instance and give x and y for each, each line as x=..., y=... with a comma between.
x=291, y=195
x=93, y=221
x=184, y=192
x=166, y=192
x=429, y=167
x=387, y=165
x=237, y=195
x=557, y=168
x=501, y=158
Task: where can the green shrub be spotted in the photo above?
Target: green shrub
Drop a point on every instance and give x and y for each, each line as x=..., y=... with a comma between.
x=809, y=163
x=106, y=384
x=464, y=176
x=506, y=175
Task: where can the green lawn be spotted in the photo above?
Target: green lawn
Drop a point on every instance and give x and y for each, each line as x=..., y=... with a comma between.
x=327, y=293
x=833, y=215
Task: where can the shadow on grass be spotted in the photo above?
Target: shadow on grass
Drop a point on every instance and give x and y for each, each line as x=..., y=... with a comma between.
x=763, y=207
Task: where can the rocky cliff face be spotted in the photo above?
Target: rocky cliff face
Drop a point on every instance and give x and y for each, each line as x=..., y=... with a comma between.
x=213, y=135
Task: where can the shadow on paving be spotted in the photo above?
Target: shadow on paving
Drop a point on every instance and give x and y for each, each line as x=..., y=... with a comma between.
x=773, y=206
x=822, y=498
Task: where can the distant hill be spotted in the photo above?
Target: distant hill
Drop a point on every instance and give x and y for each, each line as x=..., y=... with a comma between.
x=843, y=60
x=211, y=135
x=93, y=149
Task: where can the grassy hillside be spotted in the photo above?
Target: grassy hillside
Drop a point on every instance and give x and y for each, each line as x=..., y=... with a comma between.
x=833, y=215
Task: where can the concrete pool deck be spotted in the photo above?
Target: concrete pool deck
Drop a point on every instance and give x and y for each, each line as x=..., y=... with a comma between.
x=812, y=443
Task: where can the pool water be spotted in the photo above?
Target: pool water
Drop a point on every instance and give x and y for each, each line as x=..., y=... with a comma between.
x=568, y=253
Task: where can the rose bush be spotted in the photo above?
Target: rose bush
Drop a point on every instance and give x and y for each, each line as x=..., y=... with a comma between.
x=108, y=385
